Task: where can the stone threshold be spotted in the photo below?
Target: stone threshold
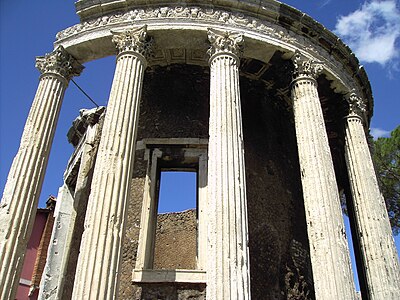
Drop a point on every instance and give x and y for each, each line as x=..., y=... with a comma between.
x=160, y=276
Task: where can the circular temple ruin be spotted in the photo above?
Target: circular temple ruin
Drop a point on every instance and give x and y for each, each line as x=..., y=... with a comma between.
x=266, y=106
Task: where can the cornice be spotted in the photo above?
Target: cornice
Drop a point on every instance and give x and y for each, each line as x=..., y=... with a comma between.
x=279, y=23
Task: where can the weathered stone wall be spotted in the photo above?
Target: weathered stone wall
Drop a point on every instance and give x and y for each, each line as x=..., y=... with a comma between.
x=176, y=240
x=131, y=239
x=80, y=208
x=279, y=259
x=175, y=104
x=170, y=291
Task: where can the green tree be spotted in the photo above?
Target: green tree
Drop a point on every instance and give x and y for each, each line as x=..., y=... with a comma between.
x=386, y=156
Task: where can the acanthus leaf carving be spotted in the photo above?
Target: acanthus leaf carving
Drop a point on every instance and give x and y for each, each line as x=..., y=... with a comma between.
x=357, y=107
x=225, y=42
x=59, y=62
x=135, y=40
x=305, y=67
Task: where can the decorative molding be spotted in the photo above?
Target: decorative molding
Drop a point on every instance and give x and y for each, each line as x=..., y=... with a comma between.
x=305, y=67
x=135, y=40
x=59, y=62
x=357, y=107
x=261, y=24
x=193, y=13
x=225, y=42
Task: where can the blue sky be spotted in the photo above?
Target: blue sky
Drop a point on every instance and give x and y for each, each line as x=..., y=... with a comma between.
x=28, y=29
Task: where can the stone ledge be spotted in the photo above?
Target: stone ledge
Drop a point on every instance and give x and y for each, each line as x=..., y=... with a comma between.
x=178, y=275
x=163, y=142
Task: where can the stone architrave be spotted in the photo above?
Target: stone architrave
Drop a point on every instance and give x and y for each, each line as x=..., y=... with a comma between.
x=228, y=272
x=378, y=252
x=24, y=182
x=330, y=258
x=99, y=260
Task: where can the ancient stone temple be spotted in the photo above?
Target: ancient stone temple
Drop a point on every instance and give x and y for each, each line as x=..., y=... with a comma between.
x=265, y=105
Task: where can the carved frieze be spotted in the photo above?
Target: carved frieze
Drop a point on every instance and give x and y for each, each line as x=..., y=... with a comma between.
x=305, y=67
x=179, y=12
x=59, y=62
x=264, y=25
x=135, y=40
x=225, y=42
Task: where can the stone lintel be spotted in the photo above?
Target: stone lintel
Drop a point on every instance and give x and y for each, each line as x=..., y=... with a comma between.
x=155, y=142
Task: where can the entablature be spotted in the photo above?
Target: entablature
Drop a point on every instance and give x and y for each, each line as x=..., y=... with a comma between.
x=181, y=27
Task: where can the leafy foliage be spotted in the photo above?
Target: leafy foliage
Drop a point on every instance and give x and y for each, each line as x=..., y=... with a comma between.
x=386, y=157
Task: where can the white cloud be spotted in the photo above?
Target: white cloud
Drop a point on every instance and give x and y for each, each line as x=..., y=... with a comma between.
x=378, y=132
x=372, y=31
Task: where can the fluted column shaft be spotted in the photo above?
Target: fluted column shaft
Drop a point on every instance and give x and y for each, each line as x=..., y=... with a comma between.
x=21, y=193
x=228, y=272
x=378, y=252
x=329, y=251
x=70, y=208
x=98, y=266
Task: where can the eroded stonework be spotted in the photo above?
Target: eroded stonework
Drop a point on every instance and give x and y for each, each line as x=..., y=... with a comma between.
x=274, y=127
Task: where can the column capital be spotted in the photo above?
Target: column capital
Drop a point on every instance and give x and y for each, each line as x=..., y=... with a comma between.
x=305, y=67
x=133, y=40
x=357, y=107
x=225, y=42
x=59, y=62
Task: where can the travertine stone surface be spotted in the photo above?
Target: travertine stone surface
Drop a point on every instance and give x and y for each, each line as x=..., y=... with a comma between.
x=51, y=284
x=71, y=208
x=228, y=272
x=379, y=255
x=100, y=254
x=24, y=182
x=329, y=252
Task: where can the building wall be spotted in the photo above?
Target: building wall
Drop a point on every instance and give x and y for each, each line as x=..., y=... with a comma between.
x=279, y=261
x=31, y=260
x=175, y=105
x=176, y=240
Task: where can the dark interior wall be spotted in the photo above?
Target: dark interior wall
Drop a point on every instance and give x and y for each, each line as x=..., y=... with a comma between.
x=175, y=104
x=279, y=255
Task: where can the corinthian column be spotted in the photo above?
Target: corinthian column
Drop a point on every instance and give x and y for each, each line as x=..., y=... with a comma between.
x=100, y=254
x=228, y=272
x=378, y=252
x=329, y=252
x=24, y=182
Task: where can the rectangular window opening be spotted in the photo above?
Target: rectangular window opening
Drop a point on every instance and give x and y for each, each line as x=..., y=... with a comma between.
x=176, y=230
